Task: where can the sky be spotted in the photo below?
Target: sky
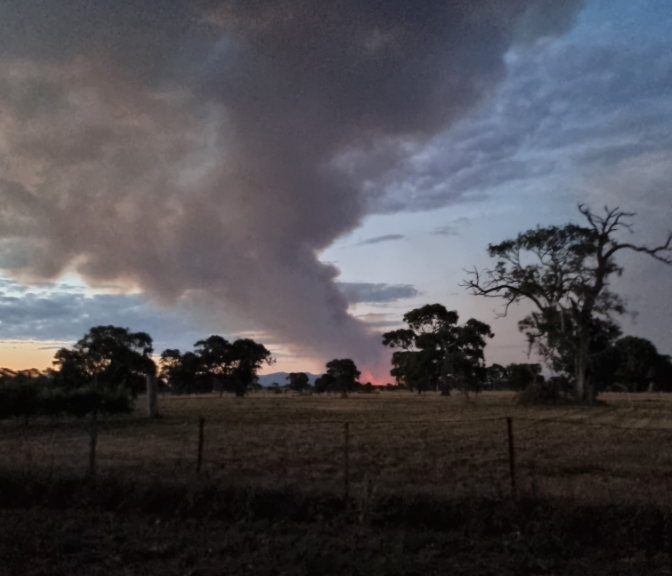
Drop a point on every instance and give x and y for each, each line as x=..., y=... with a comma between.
x=305, y=173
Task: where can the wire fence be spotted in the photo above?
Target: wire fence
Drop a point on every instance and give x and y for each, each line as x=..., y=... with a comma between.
x=625, y=461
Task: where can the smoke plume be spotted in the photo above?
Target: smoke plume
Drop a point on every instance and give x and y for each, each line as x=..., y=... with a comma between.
x=205, y=148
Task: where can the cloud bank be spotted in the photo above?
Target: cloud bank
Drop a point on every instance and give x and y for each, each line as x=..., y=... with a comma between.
x=64, y=313
x=214, y=148
x=568, y=108
x=364, y=292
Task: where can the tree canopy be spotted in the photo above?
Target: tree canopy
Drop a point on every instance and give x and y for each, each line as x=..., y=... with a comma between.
x=182, y=372
x=437, y=352
x=298, y=381
x=107, y=356
x=564, y=272
x=343, y=375
x=215, y=364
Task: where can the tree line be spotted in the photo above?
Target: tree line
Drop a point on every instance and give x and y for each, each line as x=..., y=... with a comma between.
x=107, y=368
x=563, y=271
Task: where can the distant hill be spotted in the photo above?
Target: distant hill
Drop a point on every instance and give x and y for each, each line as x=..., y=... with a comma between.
x=281, y=378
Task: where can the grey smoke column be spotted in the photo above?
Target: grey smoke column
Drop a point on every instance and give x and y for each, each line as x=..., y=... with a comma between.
x=201, y=147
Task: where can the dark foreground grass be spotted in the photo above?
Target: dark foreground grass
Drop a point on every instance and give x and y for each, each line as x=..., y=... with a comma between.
x=428, y=477
x=110, y=526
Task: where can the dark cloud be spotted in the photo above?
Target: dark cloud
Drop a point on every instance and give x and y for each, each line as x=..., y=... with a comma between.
x=206, y=147
x=564, y=106
x=379, y=239
x=360, y=292
x=597, y=115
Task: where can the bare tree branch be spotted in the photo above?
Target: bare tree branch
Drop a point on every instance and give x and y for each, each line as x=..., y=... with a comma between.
x=653, y=252
x=568, y=282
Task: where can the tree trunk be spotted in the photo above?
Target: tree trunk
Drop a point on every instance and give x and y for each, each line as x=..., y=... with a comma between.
x=581, y=369
x=591, y=393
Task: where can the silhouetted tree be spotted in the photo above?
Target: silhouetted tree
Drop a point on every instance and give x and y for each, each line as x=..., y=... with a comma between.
x=636, y=363
x=367, y=388
x=561, y=359
x=662, y=374
x=345, y=375
x=183, y=373
x=324, y=383
x=28, y=393
x=520, y=376
x=22, y=393
x=107, y=357
x=234, y=365
x=564, y=272
x=495, y=377
x=298, y=381
x=216, y=361
x=436, y=352
x=249, y=356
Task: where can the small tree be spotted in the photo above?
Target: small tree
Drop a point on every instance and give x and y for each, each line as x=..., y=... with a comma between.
x=298, y=381
x=234, y=365
x=636, y=363
x=495, y=377
x=21, y=394
x=344, y=375
x=662, y=375
x=521, y=376
x=436, y=352
x=564, y=272
x=324, y=383
x=183, y=373
x=216, y=358
x=249, y=357
x=107, y=357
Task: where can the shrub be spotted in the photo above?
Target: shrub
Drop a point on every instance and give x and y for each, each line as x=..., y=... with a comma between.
x=26, y=399
x=83, y=401
x=20, y=398
x=538, y=394
x=117, y=402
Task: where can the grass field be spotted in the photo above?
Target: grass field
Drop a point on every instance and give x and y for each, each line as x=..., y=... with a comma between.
x=398, y=442
x=430, y=490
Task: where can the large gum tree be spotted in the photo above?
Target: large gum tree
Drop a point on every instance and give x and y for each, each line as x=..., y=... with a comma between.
x=564, y=272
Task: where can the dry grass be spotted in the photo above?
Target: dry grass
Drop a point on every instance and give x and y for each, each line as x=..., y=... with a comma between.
x=399, y=442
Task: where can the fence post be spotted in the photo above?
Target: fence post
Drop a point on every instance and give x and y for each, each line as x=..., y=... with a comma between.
x=201, y=427
x=93, y=438
x=346, y=461
x=512, y=457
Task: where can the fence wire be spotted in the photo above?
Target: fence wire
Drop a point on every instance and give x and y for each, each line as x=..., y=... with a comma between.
x=597, y=461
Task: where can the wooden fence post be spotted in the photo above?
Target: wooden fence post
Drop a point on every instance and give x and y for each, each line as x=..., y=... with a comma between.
x=201, y=427
x=346, y=461
x=512, y=457
x=93, y=439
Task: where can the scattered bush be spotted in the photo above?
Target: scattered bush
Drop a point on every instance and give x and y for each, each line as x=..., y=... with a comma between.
x=20, y=399
x=539, y=394
x=27, y=399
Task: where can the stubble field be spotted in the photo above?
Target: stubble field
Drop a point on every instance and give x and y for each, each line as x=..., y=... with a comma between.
x=428, y=479
x=397, y=443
